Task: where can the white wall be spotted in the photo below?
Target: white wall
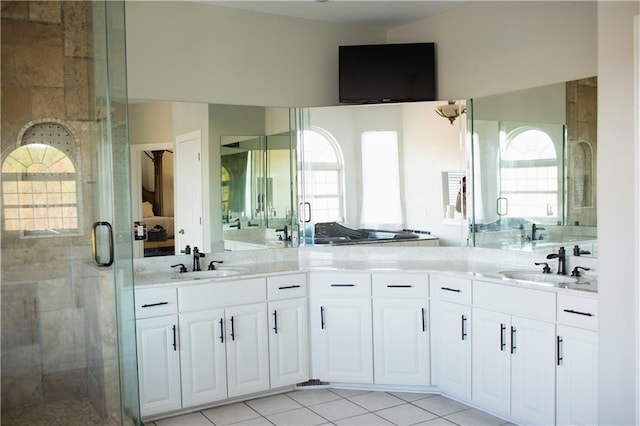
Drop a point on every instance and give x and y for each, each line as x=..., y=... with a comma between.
x=488, y=47
x=194, y=52
x=618, y=255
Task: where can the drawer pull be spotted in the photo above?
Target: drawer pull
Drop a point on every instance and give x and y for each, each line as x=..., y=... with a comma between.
x=343, y=285
x=502, y=342
x=399, y=286
x=150, y=305
x=455, y=290
x=287, y=287
x=571, y=311
x=513, y=340
x=175, y=343
x=233, y=329
x=559, y=350
x=464, y=327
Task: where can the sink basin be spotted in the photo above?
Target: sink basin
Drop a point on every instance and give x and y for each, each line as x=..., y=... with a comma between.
x=204, y=275
x=538, y=277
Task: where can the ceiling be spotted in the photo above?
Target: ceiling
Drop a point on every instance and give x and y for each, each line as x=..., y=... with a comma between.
x=377, y=13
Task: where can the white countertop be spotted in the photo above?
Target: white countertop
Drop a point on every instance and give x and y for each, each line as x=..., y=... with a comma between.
x=470, y=262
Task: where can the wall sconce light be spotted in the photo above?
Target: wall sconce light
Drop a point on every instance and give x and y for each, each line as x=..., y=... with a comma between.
x=451, y=111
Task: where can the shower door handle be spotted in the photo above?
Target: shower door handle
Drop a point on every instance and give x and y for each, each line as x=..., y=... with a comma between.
x=94, y=243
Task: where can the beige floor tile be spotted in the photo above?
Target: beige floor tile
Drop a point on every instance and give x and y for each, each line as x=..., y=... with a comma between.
x=440, y=405
x=406, y=414
x=411, y=396
x=313, y=396
x=473, y=417
x=229, y=414
x=368, y=419
x=273, y=404
x=299, y=417
x=191, y=419
x=338, y=409
x=376, y=400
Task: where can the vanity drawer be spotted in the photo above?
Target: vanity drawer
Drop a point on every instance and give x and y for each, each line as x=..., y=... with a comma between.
x=340, y=284
x=221, y=294
x=450, y=289
x=523, y=302
x=153, y=303
x=287, y=286
x=399, y=285
x=578, y=311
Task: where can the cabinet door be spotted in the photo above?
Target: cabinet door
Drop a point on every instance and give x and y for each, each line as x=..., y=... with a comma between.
x=158, y=364
x=247, y=349
x=577, y=376
x=401, y=342
x=288, y=342
x=341, y=340
x=533, y=371
x=451, y=334
x=202, y=357
x=491, y=354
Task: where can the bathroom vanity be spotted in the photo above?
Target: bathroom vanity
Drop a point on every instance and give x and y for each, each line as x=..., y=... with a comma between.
x=413, y=319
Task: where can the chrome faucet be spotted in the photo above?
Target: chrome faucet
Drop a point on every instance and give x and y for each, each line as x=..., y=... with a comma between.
x=562, y=260
x=196, y=259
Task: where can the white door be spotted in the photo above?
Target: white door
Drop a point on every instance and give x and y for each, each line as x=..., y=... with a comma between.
x=533, y=371
x=451, y=328
x=342, y=341
x=188, y=192
x=202, y=357
x=577, y=376
x=288, y=342
x=401, y=342
x=158, y=365
x=491, y=354
x=247, y=349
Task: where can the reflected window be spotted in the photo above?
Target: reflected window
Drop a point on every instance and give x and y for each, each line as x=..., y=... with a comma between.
x=380, y=180
x=529, y=174
x=322, y=163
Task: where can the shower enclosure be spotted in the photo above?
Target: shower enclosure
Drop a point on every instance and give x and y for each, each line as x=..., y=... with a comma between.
x=67, y=327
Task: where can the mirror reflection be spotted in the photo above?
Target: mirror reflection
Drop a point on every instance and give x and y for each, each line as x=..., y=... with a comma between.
x=256, y=181
x=534, y=168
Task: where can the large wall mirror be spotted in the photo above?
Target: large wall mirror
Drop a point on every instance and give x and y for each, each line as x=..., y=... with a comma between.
x=531, y=161
x=534, y=168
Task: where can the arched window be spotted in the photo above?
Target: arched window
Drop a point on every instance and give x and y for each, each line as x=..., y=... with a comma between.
x=39, y=183
x=321, y=159
x=529, y=173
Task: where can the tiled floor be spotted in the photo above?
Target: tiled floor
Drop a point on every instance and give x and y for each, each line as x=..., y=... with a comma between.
x=339, y=407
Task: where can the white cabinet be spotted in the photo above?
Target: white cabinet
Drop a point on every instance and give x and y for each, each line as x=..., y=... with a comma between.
x=203, y=357
x=224, y=336
x=513, y=356
x=158, y=350
x=400, y=329
x=341, y=328
x=451, y=335
x=288, y=335
x=577, y=361
x=158, y=364
x=247, y=349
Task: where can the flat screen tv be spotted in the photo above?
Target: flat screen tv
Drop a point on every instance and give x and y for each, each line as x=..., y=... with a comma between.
x=376, y=73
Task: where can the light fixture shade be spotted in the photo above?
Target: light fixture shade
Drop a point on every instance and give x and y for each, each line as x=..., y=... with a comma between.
x=451, y=111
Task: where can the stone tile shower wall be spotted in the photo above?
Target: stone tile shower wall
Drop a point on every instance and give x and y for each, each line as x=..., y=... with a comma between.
x=57, y=337
x=582, y=151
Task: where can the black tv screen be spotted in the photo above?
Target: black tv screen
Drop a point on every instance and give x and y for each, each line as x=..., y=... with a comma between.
x=377, y=73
